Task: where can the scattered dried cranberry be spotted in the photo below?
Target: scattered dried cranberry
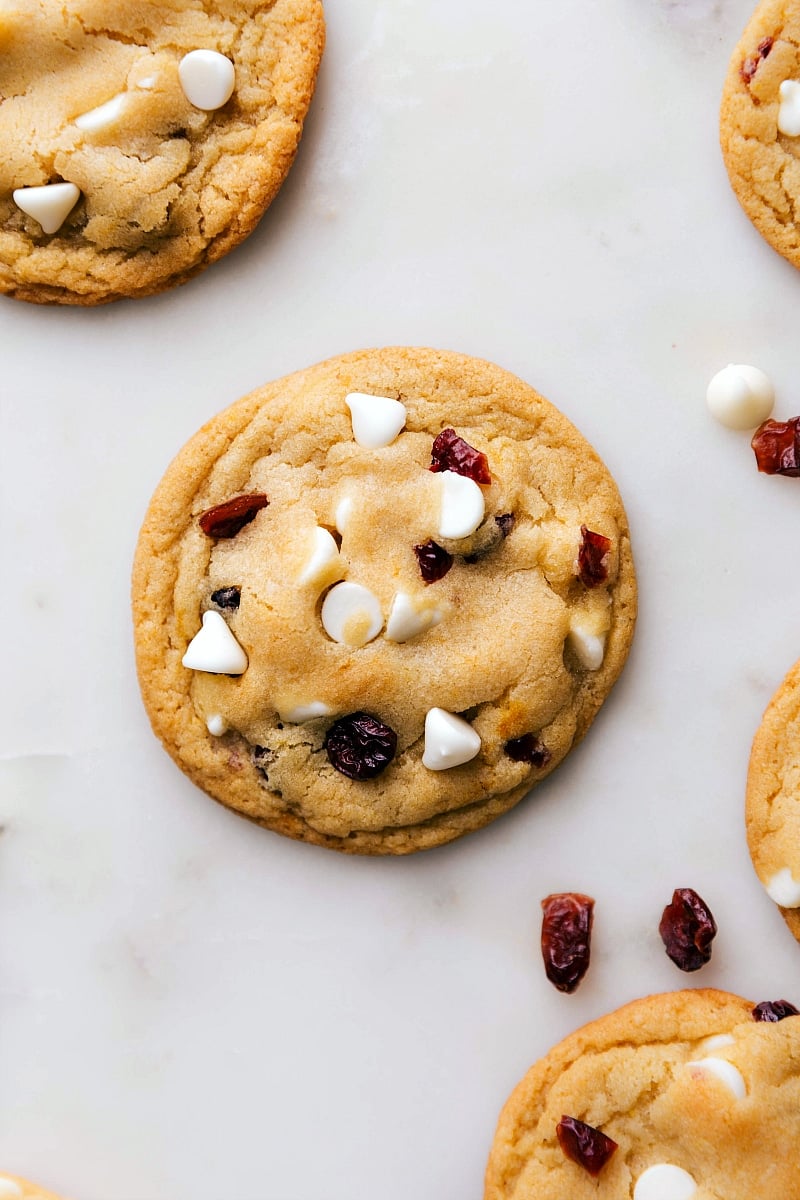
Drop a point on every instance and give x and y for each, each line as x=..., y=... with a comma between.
x=228, y=597
x=566, y=938
x=528, y=749
x=753, y=61
x=777, y=447
x=584, y=1144
x=360, y=746
x=505, y=523
x=225, y=520
x=451, y=453
x=687, y=930
x=774, y=1010
x=434, y=561
x=593, y=558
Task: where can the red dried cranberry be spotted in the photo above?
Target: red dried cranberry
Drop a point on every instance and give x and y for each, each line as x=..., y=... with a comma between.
x=505, y=523
x=566, y=938
x=228, y=597
x=451, y=453
x=765, y=45
x=434, y=561
x=774, y=1010
x=226, y=519
x=584, y=1144
x=777, y=447
x=360, y=746
x=687, y=930
x=528, y=749
x=593, y=558
x=753, y=61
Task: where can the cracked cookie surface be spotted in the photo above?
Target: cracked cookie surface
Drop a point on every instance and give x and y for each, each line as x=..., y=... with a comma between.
x=510, y=650
x=762, y=158
x=92, y=99
x=701, y=1099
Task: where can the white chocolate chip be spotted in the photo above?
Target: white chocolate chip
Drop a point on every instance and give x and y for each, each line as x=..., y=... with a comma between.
x=147, y=84
x=717, y=1042
x=722, y=1070
x=408, y=618
x=9, y=1190
x=665, y=1182
x=343, y=513
x=740, y=397
x=351, y=614
x=449, y=741
x=323, y=564
x=789, y=112
x=590, y=648
x=214, y=649
x=377, y=420
x=298, y=714
x=207, y=79
x=216, y=725
x=104, y=115
x=783, y=889
x=49, y=204
x=463, y=505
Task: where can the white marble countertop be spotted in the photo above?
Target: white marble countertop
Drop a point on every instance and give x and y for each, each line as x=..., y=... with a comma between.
x=191, y=1009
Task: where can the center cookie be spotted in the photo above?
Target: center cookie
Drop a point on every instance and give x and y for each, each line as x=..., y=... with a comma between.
x=377, y=601
x=143, y=140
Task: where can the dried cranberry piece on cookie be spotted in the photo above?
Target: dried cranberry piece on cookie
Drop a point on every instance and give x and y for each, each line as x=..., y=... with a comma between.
x=360, y=746
x=227, y=519
x=451, y=453
x=585, y=1145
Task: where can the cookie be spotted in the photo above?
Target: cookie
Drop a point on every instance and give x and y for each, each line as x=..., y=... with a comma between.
x=14, y=1188
x=697, y=1092
x=379, y=600
x=143, y=139
x=773, y=800
x=760, y=124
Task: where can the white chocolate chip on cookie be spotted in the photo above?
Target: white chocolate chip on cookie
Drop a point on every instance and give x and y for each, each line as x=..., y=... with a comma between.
x=408, y=618
x=784, y=889
x=789, y=112
x=49, y=204
x=104, y=115
x=463, y=505
x=207, y=78
x=449, y=741
x=724, y=1071
x=377, y=420
x=664, y=1182
x=351, y=614
x=324, y=563
x=214, y=649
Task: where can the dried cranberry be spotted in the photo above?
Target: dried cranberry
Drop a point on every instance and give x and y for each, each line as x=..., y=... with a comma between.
x=226, y=519
x=777, y=447
x=584, y=1144
x=593, y=558
x=434, y=561
x=753, y=61
x=505, y=523
x=687, y=929
x=566, y=938
x=451, y=453
x=528, y=749
x=360, y=746
x=774, y=1010
x=228, y=597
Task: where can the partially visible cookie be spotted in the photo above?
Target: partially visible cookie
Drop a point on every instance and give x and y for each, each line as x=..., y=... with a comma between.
x=699, y=1091
x=773, y=800
x=143, y=139
x=760, y=124
x=379, y=600
x=12, y=1187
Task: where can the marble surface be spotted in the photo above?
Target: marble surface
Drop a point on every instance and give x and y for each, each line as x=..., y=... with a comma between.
x=191, y=1009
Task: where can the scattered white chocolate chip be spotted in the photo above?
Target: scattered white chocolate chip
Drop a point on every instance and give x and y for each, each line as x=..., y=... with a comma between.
x=590, y=648
x=214, y=649
x=664, y=1182
x=377, y=420
x=463, y=505
x=298, y=714
x=323, y=564
x=784, y=889
x=724, y=1071
x=9, y=1189
x=717, y=1042
x=207, y=79
x=789, y=112
x=351, y=614
x=740, y=397
x=408, y=618
x=449, y=741
x=343, y=512
x=104, y=115
x=216, y=725
x=49, y=204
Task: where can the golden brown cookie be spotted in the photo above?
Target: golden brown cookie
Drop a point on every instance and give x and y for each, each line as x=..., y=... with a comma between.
x=142, y=139
x=760, y=124
x=379, y=600
x=773, y=800
x=699, y=1092
x=12, y=1187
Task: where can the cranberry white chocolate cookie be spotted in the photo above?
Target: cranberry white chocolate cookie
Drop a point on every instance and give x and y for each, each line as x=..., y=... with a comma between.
x=143, y=139
x=14, y=1188
x=760, y=124
x=377, y=601
x=692, y=1094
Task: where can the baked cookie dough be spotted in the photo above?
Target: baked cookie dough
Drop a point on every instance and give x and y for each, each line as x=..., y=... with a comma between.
x=384, y=656
x=760, y=124
x=701, y=1097
x=143, y=139
x=773, y=800
x=12, y=1187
